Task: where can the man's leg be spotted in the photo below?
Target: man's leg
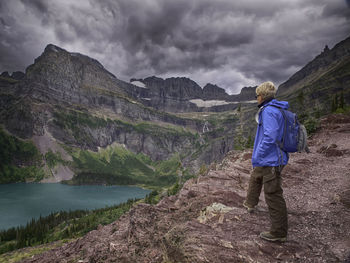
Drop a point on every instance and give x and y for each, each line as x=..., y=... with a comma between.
x=254, y=188
x=275, y=202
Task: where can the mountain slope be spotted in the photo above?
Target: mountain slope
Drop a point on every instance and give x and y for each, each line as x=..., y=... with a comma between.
x=314, y=86
x=206, y=222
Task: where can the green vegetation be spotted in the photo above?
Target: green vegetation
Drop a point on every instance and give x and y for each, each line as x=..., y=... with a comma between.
x=9, y=80
x=312, y=125
x=153, y=197
x=117, y=165
x=74, y=119
x=242, y=142
x=326, y=93
x=175, y=188
x=79, y=125
x=338, y=103
x=113, y=165
x=300, y=98
x=19, y=255
x=60, y=226
x=52, y=159
x=168, y=171
x=20, y=160
x=183, y=176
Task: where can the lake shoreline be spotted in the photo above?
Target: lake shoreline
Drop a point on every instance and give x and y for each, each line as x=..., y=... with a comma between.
x=20, y=202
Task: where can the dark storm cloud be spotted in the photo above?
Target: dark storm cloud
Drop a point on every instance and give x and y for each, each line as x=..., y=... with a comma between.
x=336, y=8
x=229, y=43
x=181, y=34
x=38, y=5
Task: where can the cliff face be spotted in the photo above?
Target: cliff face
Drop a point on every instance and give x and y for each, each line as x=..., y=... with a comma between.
x=175, y=94
x=171, y=95
x=206, y=222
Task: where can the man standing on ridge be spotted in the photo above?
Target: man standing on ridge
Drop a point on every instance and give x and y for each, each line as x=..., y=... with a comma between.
x=268, y=161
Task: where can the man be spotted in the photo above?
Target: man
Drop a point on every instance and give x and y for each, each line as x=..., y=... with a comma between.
x=268, y=161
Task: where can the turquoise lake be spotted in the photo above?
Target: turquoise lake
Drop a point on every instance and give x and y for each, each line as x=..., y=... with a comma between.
x=21, y=202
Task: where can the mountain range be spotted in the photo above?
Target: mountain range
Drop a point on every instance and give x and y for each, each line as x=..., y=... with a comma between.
x=80, y=116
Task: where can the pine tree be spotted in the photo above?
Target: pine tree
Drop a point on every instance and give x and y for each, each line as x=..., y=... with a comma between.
x=301, y=97
x=341, y=101
x=334, y=103
x=250, y=142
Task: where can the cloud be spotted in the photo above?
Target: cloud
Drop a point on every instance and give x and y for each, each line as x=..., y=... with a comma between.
x=228, y=43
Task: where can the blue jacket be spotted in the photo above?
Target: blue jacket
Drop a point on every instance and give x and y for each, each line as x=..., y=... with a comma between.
x=270, y=130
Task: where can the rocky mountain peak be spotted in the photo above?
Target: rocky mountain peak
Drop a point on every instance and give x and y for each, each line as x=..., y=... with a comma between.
x=18, y=75
x=54, y=48
x=5, y=74
x=152, y=79
x=214, y=92
x=54, y=55
x=246, y=94
x=213, y=88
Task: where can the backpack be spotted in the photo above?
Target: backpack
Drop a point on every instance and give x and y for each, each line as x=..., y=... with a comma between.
x=294, y=136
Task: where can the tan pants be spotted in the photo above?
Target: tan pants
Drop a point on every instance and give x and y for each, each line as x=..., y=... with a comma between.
x=270, y=177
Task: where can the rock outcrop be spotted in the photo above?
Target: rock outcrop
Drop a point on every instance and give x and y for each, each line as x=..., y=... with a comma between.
x=18, y=75
x=214, y=92
x=206, y=222
x=5, y=74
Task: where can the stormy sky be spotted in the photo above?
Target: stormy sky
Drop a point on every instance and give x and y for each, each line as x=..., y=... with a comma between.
x=231, y=43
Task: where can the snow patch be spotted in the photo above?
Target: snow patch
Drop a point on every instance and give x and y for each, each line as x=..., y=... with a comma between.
x=210, y=103
x=139, y=84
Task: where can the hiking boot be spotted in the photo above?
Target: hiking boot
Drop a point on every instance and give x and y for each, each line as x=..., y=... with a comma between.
x=269, y=237
x=249, y=208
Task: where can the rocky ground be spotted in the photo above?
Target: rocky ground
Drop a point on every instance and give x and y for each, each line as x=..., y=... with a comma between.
x=206, y=221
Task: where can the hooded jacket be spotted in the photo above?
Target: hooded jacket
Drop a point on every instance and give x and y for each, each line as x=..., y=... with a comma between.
x=270, y=131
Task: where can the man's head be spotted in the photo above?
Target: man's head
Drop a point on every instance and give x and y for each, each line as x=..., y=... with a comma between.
x=265, y=91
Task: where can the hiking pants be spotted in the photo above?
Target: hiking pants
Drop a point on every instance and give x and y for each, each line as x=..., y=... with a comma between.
x=270, y=177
